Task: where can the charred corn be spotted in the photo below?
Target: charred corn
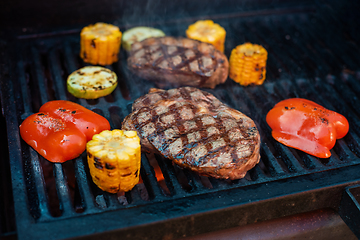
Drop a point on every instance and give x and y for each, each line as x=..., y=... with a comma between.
x=247, y=64
x=100, y=44
x=209, y=32
x=114, y=159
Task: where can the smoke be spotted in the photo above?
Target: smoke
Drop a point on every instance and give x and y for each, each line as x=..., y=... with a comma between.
x=171, y=16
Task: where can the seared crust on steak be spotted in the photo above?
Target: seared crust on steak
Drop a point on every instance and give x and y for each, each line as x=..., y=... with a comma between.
x=196, y=131
x=175, y=62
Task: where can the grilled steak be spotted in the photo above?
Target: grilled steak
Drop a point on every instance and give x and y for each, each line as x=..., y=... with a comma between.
x=196, y=131
x=175, y=62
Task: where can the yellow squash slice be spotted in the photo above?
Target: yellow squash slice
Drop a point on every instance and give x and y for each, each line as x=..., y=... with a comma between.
x=91, y=82
x=248, y=64
x=137, y=34
x=209, y=32
x=100, y=44
x=114, y=159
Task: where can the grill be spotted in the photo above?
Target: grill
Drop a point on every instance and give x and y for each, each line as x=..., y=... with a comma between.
x=313, y=53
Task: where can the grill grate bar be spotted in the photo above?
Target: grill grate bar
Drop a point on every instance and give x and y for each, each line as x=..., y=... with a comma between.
x=272, y=164
x=341, y=107
x=39, y=76
x=286, y=154
x=149, y=178
x=311, y=93
x=256, y=174
x=62, y=190
x=353, y=81
x=135, y=195
x=332, y=100
x=241, y=94
x=24, y=88
x=350, y=97
x=83, y=184
x=39, y=184
x=313, y=161
x=55, y=68
x=69, y=58
x=112, y=199
x=170, y=176
x=196, y=183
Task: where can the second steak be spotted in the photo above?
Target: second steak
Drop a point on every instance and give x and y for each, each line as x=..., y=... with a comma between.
x=174, y=62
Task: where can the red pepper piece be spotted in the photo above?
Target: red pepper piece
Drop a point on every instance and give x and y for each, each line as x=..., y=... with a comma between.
x=52, y=138
x=307, y=126
x=60, y=130
x=87, y=121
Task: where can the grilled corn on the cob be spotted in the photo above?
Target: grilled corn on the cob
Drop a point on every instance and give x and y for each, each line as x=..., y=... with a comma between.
x=209, y=32
x=114, y=159
x=248, y=64
x=100, y=44
x=91, y=82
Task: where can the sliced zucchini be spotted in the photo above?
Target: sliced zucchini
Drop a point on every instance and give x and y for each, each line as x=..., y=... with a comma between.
x=137, y=34
x=91, y=82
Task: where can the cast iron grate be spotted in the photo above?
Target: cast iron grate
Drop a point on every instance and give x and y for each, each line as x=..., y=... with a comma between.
x=305, y=60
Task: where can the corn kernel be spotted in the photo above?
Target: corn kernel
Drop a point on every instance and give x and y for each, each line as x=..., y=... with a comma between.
x=100, y=44
x=114, y=165
x=248, y=64
x=209, y=32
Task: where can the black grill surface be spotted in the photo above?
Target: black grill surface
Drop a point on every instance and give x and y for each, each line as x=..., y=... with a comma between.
x=313, y=53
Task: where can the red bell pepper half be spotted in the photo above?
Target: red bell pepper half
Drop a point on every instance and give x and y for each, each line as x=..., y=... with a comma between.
x=60, y=130
x=307, y=126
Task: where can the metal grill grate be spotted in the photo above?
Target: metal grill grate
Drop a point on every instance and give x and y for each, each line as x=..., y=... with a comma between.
x=306, y=59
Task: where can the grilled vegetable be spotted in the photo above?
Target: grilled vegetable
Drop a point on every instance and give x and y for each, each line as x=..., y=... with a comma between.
x=87, y=121
x=307, y=126
x=60, y=130
x=137, y=34
x=100, y=44
x=207, y=31
x=114, y=159
x=91, y=82
x=53, y=138
x=248, y=64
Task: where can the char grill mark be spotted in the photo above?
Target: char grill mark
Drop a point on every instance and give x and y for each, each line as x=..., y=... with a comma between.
x=178, y=62
x=161, y=54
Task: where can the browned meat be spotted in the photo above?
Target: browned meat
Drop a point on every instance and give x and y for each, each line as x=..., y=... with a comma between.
x=176, y=62
x=196, y=131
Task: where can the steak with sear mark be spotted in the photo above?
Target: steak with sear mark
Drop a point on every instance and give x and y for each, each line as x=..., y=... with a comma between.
x=196, y=131
x=175, y=62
